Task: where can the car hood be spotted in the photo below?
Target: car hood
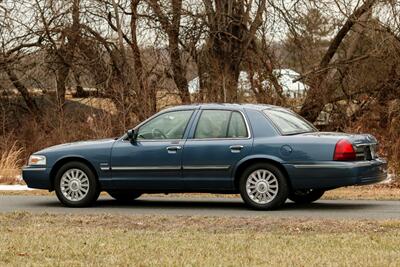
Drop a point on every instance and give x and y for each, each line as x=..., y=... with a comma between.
x=79, y=145
x=354, y=138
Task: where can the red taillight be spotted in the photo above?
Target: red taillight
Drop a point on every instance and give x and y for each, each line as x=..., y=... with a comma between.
x=344, y=150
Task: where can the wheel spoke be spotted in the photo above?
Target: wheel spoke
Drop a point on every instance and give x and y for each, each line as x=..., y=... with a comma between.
x=262, y=186
x=74, y=184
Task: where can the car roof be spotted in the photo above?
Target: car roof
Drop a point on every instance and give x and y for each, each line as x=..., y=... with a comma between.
x=224, y=106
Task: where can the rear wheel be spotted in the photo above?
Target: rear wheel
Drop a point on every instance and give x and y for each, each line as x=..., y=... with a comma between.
x=124, y=196
x=306, y=196
x=76, y=185
x=263, y=186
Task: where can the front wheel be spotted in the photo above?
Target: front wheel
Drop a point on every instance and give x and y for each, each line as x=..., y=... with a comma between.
x=306, y=196
x=76, y=185
x=263, y=187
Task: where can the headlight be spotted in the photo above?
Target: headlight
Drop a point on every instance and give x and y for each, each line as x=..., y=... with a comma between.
x=37, y=160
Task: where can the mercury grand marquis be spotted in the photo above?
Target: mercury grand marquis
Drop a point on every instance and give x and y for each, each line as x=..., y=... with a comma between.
x=266, y=153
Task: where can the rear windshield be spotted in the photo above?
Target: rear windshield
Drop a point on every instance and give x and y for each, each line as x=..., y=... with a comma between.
x=289, y=122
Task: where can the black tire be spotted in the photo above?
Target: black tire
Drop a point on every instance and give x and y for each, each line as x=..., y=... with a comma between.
x=306, y=196
x=281, y=192
x=93, y=189
x=124, y=195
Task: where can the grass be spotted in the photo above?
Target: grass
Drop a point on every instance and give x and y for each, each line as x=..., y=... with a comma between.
x=73, y=240
x=10, y=161
x=379, y=192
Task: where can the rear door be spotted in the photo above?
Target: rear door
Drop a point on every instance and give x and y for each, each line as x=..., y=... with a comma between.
x=219, y=139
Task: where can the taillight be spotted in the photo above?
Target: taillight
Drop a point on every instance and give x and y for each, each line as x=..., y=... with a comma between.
x=344, y=150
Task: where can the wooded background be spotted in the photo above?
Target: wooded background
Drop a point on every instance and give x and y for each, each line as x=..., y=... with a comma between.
x=85, y=69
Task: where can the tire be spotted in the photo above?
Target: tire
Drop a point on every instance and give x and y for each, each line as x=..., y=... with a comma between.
x=76, y=185
x=306, y=196
x=270, y=188
x=124, y=196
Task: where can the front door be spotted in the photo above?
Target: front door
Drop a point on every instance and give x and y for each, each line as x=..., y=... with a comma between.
x=154, y=160
x=219, y=141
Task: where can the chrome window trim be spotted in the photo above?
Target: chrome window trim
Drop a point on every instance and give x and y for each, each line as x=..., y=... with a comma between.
x=206, y=167
x=366, y=144
x=333, y=165
x=249, y=135
x=33, y=169
x=152, y=168
x=173, y=141
x=144, y=168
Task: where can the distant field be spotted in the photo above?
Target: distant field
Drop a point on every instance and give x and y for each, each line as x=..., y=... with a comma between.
x=62, y=240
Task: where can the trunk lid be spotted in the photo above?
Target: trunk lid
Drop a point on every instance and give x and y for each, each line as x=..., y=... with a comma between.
x=365, y=145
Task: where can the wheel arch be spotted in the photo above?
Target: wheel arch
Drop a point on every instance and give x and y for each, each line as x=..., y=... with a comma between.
x=64, y=160
x=245, y=163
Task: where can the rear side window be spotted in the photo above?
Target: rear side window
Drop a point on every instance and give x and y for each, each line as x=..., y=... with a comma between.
x=220, y=124
x=288, y=122
x=237, y=126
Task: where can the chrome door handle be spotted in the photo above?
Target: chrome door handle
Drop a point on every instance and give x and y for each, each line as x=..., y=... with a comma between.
x=173, y=148
x=236, y=148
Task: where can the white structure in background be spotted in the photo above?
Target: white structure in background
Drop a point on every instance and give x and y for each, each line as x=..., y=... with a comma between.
x=285, y=78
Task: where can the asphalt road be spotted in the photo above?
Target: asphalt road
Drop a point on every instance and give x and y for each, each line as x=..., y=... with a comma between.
x=146, y=205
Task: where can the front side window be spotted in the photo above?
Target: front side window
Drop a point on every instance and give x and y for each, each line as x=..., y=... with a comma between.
x=288, y=122
x=220, y=124
x=170, y=125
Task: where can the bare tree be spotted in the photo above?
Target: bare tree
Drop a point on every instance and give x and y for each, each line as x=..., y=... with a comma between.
x=232, y=28
x=172, y=27
x=318, y=94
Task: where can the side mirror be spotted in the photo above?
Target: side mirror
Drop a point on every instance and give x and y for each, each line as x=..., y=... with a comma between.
x=132, y=134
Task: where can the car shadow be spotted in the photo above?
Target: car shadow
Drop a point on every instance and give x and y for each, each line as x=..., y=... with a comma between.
x=215, y=204
x=228, y=204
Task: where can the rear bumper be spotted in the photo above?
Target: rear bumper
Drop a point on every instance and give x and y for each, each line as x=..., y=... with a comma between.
x=333, y=174
x=36, y=177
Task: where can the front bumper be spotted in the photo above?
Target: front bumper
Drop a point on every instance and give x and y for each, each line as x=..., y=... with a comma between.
x=334, y=174
x=36, y=177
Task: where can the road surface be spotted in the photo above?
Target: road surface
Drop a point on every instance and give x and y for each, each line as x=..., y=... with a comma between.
x=147, y=205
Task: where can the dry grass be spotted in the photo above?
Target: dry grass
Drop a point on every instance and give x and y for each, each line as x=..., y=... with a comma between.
x=364, y=192
x=100, y=240
x=10, y=164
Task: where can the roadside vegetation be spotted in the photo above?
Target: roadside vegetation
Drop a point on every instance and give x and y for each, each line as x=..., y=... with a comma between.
x=76, y=240
x=93, y=69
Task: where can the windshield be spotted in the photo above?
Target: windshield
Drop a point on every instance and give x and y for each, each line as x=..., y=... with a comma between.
x=289, y=122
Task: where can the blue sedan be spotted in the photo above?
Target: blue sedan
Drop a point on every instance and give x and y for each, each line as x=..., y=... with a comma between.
x=265, y=153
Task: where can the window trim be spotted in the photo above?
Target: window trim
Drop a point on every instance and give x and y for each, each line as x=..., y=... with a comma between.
x=249, y=134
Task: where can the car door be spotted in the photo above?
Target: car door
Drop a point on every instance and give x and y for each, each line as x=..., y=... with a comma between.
x=154, y=160
x=217, y=142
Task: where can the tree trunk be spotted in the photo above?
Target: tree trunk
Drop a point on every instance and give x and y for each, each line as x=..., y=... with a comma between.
x=171, y=27
x=66, y=53
x=29, y=101
x=61, y=80
x=318, y=94
x=177, y=68
x=146, y=94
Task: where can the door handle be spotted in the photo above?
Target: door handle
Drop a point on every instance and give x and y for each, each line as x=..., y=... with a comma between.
x=172, y=149
x=236, y=148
